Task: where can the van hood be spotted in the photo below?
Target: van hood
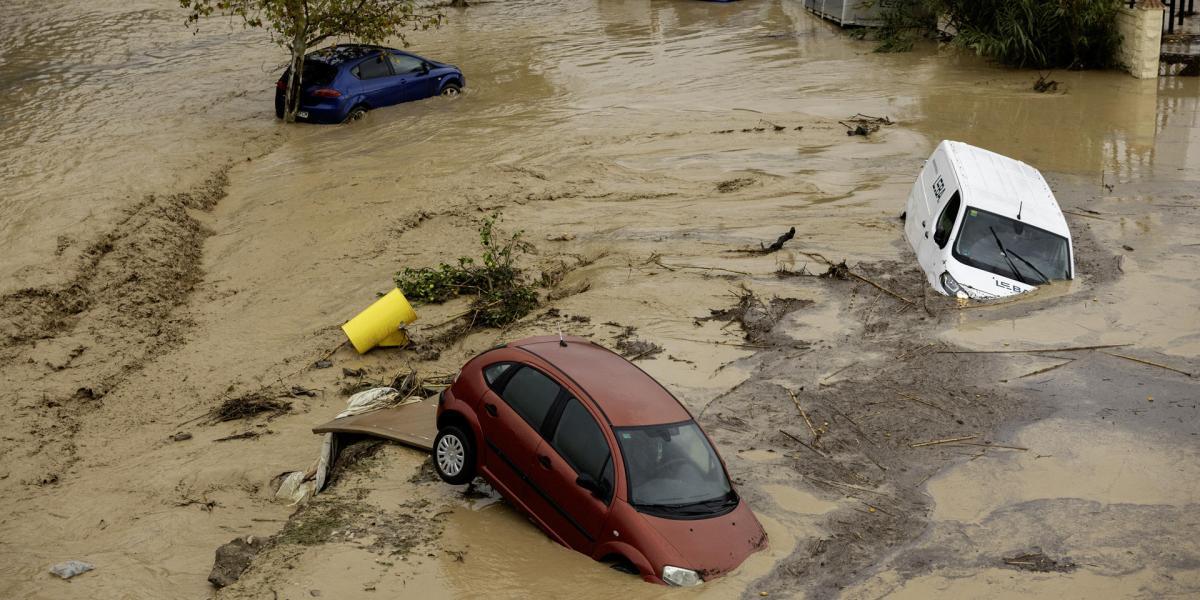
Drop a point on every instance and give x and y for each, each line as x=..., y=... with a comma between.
x=713, y=546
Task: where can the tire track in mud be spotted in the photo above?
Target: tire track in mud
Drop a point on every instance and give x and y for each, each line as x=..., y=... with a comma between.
x=63, y=348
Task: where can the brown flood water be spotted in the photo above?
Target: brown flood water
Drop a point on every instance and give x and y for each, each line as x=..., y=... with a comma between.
x=594, y=119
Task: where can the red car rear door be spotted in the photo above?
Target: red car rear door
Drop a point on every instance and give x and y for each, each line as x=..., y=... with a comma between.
x=511, y=421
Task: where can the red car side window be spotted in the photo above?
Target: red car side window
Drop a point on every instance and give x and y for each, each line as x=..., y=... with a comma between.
x=531, y=394
x=494, y=374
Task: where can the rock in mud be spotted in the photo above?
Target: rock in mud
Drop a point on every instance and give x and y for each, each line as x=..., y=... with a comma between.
x=71, y=568
x=233, y=559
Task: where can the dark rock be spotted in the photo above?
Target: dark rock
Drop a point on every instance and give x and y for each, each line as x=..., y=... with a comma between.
x=233, y=559
x=182, y=436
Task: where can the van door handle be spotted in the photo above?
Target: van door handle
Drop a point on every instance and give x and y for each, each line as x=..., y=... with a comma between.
x=926, y=235
x=545, y=460
x=923, y=224
x=490, y=408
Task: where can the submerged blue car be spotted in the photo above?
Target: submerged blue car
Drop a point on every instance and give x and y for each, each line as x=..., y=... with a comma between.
x=341, y=83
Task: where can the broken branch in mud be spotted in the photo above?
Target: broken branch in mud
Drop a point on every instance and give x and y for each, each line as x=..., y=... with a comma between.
x=845, y=485
x=853, y=424
x=945, y=441
x=245, y=435
x=767, y=249
x=864, y=125
x=1034, y=351
x=989, y=445
x=1039, y=562
x=803, y=443
x=1044, y=84
x=842, y=271
x=657, y=260
x=913, y=398
x=778, y=243
x=1047, y=369
x=831, y=375
x=881, y=288
x=1085, y=215
x=877, y=508
x=1146, y=362
x=816, y=433
x=248, y=405
x=718, y=342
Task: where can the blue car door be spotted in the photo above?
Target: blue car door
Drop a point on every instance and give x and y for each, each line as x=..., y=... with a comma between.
x=375, y=76
x=413, y=77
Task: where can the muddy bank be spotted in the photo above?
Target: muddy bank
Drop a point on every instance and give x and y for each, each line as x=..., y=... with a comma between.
x=66, y=346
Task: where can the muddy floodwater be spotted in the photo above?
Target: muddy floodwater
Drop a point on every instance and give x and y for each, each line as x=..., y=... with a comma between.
x=167, y=245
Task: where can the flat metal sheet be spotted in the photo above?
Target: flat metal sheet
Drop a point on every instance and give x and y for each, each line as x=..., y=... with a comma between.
x=413, y=424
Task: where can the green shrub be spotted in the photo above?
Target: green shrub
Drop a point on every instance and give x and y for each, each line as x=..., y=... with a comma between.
x=501, y=294
x=1073, y=34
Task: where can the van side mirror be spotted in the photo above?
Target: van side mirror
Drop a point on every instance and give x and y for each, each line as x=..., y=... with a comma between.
x=598, y=489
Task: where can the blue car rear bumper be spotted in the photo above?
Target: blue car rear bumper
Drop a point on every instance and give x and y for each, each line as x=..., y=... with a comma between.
x=333, y=111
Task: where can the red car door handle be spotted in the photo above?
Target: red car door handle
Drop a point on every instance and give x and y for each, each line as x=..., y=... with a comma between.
x=490, y=408
x=545, y=460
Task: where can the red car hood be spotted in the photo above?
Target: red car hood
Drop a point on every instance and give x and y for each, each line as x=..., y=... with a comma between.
x=715, y=546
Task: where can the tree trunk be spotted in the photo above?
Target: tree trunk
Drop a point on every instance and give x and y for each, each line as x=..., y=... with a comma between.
x=291, y=99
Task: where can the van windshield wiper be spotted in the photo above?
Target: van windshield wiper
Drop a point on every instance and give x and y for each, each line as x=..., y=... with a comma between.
x=1011, y=265
x=1031, y=266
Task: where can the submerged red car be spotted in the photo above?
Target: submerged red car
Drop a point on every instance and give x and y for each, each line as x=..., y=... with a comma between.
x=599, y=455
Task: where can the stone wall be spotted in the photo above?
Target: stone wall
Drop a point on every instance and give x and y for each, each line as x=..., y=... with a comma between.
x=1141, y=38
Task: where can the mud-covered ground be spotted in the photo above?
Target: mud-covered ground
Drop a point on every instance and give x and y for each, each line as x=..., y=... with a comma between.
x=161, y=282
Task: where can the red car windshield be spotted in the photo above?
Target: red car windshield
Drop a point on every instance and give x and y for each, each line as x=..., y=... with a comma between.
x=673, y=469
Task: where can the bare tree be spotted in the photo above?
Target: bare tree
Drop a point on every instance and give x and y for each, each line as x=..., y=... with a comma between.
x=298, y=25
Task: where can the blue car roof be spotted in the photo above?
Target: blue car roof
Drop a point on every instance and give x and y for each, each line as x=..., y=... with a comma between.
x=341, y=53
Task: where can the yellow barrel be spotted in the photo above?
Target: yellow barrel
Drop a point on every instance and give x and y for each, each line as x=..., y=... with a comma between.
x=380, y=323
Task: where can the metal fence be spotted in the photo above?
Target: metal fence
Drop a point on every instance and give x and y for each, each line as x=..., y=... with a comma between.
x=1175, y=13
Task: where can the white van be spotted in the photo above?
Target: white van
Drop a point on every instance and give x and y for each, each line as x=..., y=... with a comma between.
x=984, y=225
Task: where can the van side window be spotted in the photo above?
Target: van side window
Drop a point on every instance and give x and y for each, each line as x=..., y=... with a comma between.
x=579, y=440
x=531, y=394
x=945, y=222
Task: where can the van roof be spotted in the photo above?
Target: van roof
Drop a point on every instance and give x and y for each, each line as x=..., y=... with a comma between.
x=1002, y=185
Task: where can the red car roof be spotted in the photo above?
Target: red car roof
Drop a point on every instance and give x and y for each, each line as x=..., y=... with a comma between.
x=625, y=393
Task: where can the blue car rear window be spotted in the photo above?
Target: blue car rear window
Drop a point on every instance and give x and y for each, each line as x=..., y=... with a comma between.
x=315, y=73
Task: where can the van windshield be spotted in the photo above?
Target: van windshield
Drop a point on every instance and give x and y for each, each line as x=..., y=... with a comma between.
x=1011, y=248
x=674, y=472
